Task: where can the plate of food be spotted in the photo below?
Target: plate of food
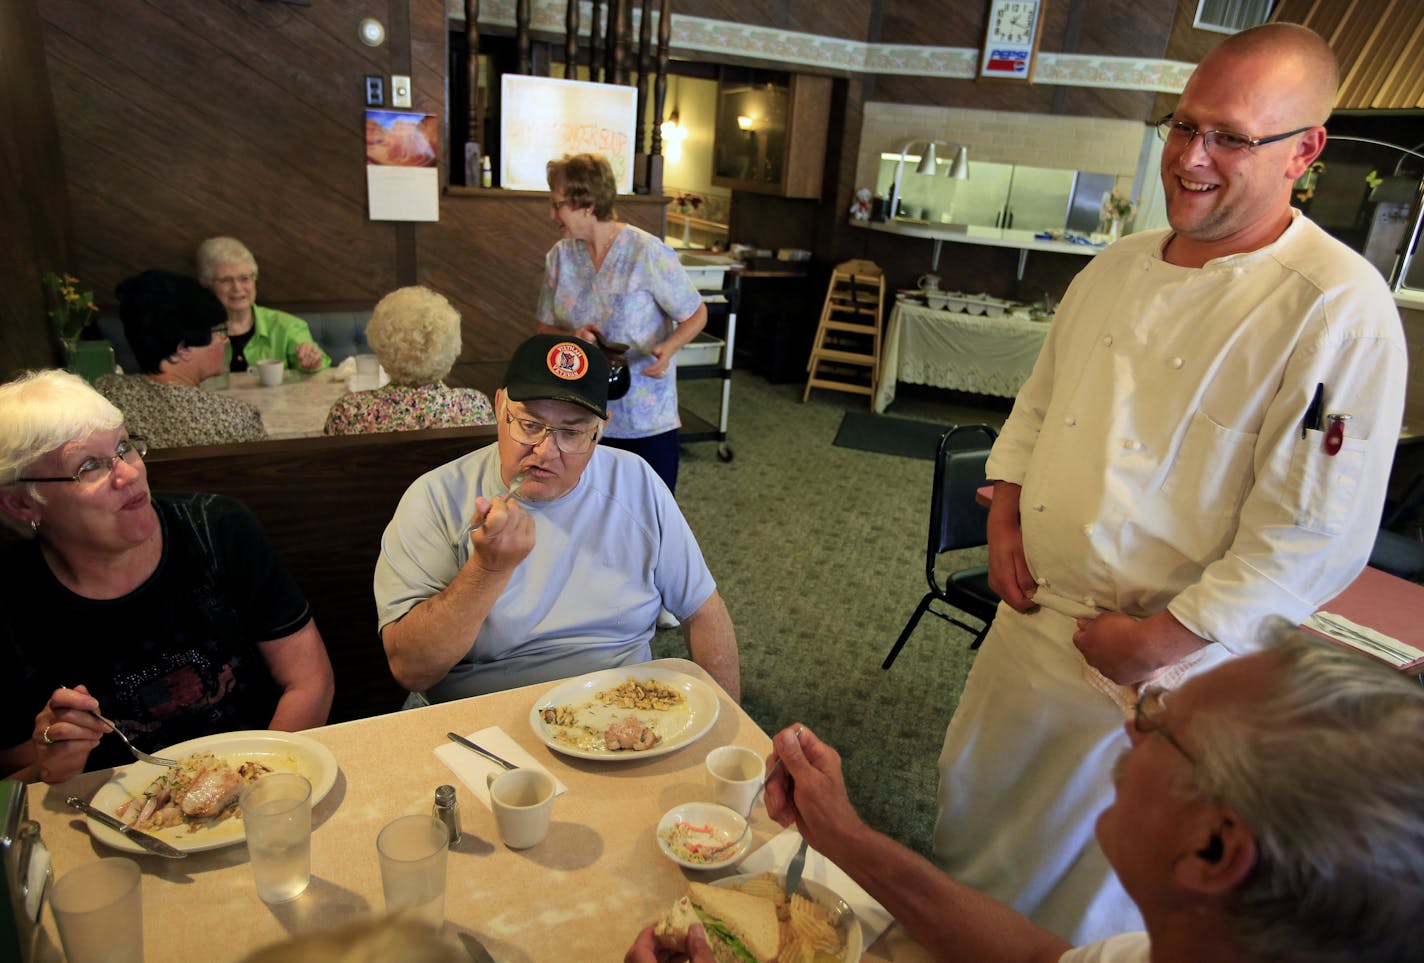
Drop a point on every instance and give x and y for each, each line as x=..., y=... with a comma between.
x=212, y=770
x=703, y=835
x=619, y=715
x=752, y=919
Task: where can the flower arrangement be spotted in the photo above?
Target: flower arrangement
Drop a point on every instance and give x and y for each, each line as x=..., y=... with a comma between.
x=1118, y=206
x=73, y=305
x=688, y=202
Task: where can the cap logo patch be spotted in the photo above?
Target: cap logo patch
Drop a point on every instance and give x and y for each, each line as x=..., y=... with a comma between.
x=567, y=360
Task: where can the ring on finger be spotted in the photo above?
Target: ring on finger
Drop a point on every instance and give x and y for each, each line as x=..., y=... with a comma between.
x=45, y=735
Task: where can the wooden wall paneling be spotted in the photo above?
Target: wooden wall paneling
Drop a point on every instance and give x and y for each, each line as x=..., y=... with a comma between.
x=180, y=121
x=34, y=203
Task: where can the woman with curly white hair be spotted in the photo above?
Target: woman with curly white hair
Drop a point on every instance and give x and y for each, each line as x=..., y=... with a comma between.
x=416, y=336
x=227, y=267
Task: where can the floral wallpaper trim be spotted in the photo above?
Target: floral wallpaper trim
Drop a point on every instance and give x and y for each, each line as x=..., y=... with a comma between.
x=852, y=56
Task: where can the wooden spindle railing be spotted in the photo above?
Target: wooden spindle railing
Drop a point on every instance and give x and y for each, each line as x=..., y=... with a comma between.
x=595, y=46
x=571, y=29
x=522, y=36
x=660, y=84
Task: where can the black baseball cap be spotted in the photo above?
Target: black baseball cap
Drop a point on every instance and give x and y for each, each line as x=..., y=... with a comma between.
x=559, y=367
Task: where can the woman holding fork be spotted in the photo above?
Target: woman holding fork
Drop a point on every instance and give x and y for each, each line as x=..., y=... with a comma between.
x=171, y=611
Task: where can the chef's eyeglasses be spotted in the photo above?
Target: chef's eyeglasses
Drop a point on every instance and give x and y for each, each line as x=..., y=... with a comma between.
x=1147, y=717
x=1216, y=141
x=95, y=469
x=570, y=441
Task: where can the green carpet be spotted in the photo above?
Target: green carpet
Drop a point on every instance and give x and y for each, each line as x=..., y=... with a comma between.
x=905, y=437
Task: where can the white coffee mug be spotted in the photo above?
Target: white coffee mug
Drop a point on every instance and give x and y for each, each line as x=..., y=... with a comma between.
x=734, y=776
x=269, y=372
x=523, y=803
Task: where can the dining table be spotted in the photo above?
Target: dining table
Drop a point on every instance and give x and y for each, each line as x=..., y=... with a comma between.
x=297, y=407
x=956, y=350
x=583, y=893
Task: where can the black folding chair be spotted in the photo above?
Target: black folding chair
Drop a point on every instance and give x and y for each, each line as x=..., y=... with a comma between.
x=956, y=521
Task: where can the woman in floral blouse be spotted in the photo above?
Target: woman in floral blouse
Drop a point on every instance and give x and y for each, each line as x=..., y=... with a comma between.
x=416, y=336
x=629, y=286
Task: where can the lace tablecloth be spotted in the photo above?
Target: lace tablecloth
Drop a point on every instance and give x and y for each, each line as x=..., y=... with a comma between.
x=950, y=349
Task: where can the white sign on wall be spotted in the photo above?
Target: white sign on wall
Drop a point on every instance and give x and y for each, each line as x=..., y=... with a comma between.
x=544, y=118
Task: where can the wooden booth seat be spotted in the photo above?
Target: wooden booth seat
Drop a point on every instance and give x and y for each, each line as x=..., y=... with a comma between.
x=324, y=503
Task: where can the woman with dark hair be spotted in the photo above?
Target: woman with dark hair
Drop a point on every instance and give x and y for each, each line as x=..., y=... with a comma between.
x=178, y=333
x=626, y=285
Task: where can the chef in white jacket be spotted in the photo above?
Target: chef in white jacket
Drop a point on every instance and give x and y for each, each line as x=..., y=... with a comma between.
x=1200, y=454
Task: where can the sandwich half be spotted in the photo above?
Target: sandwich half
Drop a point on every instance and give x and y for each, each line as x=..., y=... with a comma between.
x=741, y=928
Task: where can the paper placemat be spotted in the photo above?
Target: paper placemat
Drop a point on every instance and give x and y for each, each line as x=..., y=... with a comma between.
x=472, y=768
x=773, y=857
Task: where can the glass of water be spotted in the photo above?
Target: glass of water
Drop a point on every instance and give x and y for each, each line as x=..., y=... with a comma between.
x=276, y=811
x=413, y=851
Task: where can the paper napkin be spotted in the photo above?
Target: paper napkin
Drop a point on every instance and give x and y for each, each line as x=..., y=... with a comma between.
x=1364, y=638
x=472, y=768
x=773, y=857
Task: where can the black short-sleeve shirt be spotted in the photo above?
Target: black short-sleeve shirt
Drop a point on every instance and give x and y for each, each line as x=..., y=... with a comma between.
x=177, y=658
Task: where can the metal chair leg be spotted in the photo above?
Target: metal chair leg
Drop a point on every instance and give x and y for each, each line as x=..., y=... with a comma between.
x=909, y=629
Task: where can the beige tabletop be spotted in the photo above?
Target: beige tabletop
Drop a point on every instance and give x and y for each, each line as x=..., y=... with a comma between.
x=582, y=894
x=297, y=407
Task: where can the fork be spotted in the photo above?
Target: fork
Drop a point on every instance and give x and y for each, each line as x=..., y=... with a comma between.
x=747, y=822
x=515, y=484
x=139, y=754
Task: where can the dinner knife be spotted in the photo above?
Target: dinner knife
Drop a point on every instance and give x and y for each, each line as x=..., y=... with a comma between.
x=794, y=869
x=150, y=843
x=481, y=750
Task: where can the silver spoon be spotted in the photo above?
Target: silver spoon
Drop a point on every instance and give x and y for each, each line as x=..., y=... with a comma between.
x=747, y=821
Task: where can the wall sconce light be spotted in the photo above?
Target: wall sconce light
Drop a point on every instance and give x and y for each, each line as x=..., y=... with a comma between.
x=958, y=168
x=745, y=122
x=372, y=32
x=673, y=135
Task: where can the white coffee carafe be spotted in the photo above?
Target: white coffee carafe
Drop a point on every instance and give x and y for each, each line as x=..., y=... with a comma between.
x=928, y=282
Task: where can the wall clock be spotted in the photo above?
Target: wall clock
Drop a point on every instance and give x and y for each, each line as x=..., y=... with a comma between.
x=1011, y=39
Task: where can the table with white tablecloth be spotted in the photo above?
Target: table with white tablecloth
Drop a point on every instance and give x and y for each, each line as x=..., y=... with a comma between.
x=951, y=349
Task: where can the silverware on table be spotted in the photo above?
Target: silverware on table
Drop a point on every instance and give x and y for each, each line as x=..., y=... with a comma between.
x=139, y=754
x=481, y=750
x=1345, y=633
x=150, y=843
x=515, y=484
x=795, y=868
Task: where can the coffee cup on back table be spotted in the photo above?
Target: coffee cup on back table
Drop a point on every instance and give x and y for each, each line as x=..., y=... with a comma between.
x=269, y=372
x=523, y=803
x=734, y=776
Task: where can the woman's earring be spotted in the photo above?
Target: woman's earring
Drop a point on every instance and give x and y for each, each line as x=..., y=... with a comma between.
x=34, y=527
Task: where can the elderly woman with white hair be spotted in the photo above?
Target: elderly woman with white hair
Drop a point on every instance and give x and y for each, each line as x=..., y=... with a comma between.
x=415, y=333
x=226, y=266
x=169, y=613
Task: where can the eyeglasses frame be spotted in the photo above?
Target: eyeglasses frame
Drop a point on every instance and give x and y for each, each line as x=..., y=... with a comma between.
x=1166, y=126
x=551, y=431
x=135, y=443
x=1147, y=722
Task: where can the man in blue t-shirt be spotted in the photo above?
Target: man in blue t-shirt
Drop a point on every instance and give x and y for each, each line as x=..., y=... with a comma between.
x=478, y=590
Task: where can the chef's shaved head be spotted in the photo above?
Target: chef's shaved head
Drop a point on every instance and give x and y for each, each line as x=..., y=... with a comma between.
x=1304, y=66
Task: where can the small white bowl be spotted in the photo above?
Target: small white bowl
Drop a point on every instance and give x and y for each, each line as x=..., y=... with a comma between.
x=713, y=825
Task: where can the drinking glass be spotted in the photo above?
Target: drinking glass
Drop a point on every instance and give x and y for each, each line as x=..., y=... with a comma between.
x=413, y=852
x=276, y=811
x=99, y=910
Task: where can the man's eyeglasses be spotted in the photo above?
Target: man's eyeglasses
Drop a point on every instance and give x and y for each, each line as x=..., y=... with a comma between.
x=1147, y=717
x=94, y=469
x=227, y=280
x=1216, y=141
x=570, y=441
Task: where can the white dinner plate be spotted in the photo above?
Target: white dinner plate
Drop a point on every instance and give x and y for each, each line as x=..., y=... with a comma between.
x=280, y=751
x=849, y=925
x=678, y=727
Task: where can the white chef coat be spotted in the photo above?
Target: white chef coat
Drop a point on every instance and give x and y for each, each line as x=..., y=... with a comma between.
x=1158, y=443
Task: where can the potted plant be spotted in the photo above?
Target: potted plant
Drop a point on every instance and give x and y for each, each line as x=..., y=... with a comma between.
x=72, y=307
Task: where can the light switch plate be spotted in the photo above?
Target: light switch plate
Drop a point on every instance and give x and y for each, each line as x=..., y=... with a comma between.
x=375, y=91
x=400, y=90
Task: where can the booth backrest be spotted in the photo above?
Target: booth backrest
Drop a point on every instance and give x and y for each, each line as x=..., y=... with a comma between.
x=341, y=334
x=324, y=503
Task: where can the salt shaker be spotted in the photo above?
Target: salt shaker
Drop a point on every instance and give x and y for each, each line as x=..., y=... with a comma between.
x=447, y=810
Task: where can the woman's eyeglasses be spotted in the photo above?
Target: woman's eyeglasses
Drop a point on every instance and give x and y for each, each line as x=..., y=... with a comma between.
x=94, y=469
